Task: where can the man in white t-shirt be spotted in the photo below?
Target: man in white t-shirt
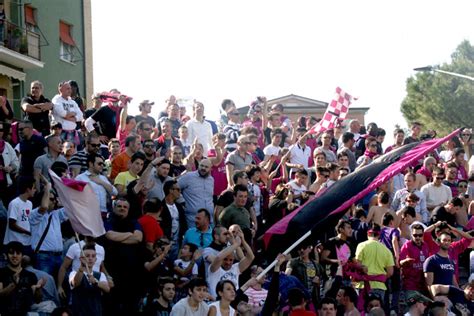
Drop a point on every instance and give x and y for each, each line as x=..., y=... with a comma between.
x=223, y=266
x=65, y=110
x=73, y=256
x=274, y=147
x=436, y=193
x=298, y=186
x=19, y=209
x=300, y=153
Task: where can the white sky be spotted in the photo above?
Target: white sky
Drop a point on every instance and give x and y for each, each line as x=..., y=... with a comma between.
x=211, y=50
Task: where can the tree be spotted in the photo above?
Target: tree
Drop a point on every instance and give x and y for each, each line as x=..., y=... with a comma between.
x=443, y=102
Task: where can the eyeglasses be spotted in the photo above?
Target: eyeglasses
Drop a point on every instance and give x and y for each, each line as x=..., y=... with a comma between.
x=149, y=146
x=418, y=235
x=95, y=145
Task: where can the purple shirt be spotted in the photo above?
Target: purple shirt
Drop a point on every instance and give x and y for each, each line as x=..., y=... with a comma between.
x=386, y=237
x=412, y=272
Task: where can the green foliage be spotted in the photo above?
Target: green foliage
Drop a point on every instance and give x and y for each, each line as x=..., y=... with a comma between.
x=440, y=101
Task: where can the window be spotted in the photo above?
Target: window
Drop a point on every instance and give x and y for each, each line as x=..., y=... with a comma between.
x=67, y=45
x=30, y=18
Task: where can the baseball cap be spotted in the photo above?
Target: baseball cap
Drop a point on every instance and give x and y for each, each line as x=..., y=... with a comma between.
x=146, y=102
x=413, y=297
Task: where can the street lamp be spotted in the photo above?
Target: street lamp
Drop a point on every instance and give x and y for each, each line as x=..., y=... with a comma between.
x=431, y=68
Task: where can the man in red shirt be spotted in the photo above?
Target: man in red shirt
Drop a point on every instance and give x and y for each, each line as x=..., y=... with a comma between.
x=149, y=221
x=412, y=256
x=297, y=301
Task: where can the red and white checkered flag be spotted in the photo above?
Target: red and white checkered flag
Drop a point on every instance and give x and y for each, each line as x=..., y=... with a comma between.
x=336, y=111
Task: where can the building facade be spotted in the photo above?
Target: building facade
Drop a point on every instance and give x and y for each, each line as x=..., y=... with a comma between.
x=295, y=106
x=49, y=41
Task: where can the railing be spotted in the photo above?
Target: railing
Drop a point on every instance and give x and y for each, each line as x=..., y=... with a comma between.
x=19, y=39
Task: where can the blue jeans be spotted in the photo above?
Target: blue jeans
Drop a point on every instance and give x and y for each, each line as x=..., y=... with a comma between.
x=48, y=263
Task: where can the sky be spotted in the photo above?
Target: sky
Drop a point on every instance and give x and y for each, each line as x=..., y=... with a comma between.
x=211, y=50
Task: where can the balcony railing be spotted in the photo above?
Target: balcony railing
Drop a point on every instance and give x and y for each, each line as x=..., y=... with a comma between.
x=19, y=39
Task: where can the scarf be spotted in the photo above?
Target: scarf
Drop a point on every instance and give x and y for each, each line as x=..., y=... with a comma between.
x=356, y=273
x=370, y=154
x=3, y=175
x=426, y=172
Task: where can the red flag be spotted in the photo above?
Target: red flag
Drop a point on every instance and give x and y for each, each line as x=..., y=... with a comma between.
x=81, y=205
x=337, y=110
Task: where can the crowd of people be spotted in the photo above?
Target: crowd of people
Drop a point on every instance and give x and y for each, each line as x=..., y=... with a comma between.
x=185, y=201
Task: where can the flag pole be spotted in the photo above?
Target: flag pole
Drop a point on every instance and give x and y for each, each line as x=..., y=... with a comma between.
x=82, y=253
x=287, y=251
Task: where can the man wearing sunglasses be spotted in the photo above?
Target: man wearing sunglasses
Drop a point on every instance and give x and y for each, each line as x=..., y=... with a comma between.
x=78, y=162
x=100, y=184
x=31, y=147
x=436, y=193
x=412, y=256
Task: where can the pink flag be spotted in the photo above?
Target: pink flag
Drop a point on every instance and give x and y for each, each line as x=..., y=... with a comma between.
x=336, y=111
x=81, y=205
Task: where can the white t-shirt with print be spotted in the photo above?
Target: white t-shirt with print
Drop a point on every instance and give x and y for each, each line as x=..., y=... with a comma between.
x=19, y=210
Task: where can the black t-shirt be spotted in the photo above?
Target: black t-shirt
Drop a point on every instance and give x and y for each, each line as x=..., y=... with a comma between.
x=154, y=308
x=331, y=245
x=441, y=214
x=40, y=120
x=19, y=301
x=106, y=119
x=176, y=170
x=30, y=150
x=276, y=209
x=460, y=303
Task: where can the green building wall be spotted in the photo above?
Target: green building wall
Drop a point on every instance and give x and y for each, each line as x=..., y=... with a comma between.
x=48, y=15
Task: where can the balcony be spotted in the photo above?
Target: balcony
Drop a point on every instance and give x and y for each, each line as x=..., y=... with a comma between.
x=19, y=47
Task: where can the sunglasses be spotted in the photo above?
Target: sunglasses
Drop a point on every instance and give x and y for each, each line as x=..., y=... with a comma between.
x=462, y=186
x=439, y=178
x=466, y=134
x=418, y=235
x=95, y=145
x=149, y=146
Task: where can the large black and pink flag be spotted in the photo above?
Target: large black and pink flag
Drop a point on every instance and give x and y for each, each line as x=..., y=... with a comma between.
x=337, y=111
x=320, y=214
x=81, y=205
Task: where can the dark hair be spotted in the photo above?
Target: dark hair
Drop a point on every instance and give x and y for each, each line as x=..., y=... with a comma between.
x=327, y=300
x=384, y=197
x=195, y=283
x=347, y=136
x=88, y=246
x=129, y=118
x=92, y=157
x=409, y=210
x=153, y=205
x=301, y=171
x=372, y=297
x=25, y=183
x=241, y=188
x=130, y=139
x=276, y=131
x=168, y=185
x=220, y=287
x=15, y=246
x=374, y=230
x=342, y=154
x=332, y=166
x=417, y=227
x=59, y=311
x=141, y=123
x=164, y=161
x=138, y=155
x=217, y=230
x=238, y=174
x=206, y=213
x=387, y=218
x=351, y=293
x=225, y=103
x=398, y=131
x=360, y=212
x=164, y=280
x=340, y=225
x=381, y=132
x=252, y=170
x=455, y=201
x=296, y=297
x=192, y=247
x=438, y=170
